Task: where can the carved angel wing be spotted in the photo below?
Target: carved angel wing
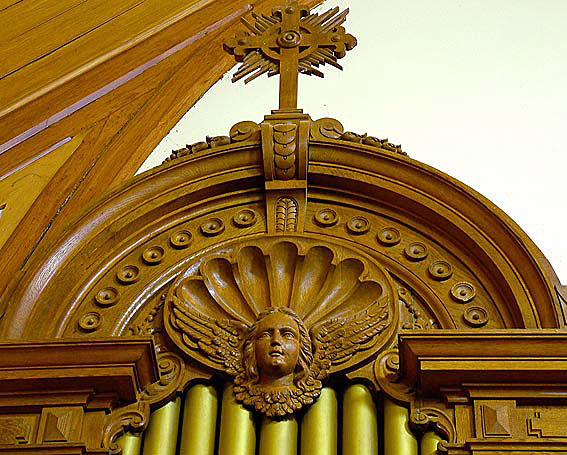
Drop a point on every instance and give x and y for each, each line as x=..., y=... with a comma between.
x=336, y=340
x=218, y=340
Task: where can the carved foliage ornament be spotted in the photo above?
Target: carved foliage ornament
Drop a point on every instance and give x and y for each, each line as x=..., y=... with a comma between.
x=280, y=315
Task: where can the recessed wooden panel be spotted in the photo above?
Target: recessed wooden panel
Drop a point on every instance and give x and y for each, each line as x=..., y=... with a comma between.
x=18, y=429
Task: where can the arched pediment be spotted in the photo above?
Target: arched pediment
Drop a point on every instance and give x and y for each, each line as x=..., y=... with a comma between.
x=456, y=260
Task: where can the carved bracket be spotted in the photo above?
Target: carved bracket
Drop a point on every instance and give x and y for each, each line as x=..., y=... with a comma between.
x=285, y=137
x=135, y=417
x=387, y=374
x=130, y=418
x=436, y=418
x=172, y=379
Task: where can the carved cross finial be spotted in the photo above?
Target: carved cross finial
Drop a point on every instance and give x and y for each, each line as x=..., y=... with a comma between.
x=288, y=42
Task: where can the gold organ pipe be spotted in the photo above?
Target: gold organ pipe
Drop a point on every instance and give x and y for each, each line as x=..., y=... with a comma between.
x=398, y=438
x=160, y=437
x=237, y=433
x=278, y=437
x=429, y=442
x=360, y=424
x=319, y=426
x=199, y=421
x=130, y=443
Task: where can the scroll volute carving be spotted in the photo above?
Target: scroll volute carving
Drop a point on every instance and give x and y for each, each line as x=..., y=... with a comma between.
x=280, y=315
x=387, y=376
x=437, y=417
x=134, y=418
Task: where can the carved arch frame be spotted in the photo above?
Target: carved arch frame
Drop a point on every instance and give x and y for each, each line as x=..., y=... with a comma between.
x=457, y=261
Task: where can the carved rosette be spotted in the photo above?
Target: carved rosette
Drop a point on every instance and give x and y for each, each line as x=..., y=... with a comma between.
x=344, y=304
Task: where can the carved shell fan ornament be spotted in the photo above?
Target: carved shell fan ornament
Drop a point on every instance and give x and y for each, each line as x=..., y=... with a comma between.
x=279, y=315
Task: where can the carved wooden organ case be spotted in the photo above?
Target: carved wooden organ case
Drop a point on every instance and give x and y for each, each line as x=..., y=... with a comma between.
x=399, y=278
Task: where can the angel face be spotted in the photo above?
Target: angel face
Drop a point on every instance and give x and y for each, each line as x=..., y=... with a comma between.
x=276, y=347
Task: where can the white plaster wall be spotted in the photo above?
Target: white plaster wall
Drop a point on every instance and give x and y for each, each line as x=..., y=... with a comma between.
x=476, y=88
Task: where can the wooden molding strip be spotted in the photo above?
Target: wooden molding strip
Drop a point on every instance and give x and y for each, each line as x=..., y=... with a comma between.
x=35, y=158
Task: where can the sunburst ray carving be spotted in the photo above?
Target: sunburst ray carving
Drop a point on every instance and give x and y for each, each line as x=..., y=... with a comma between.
x=320, y=38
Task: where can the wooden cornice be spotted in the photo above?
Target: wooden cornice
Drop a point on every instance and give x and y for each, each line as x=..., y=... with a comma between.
x=475, y=359
x=118, y=369
x=116, y=230
x=58, y=397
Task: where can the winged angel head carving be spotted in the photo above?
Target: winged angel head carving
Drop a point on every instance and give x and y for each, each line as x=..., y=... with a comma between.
x=234, y=314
